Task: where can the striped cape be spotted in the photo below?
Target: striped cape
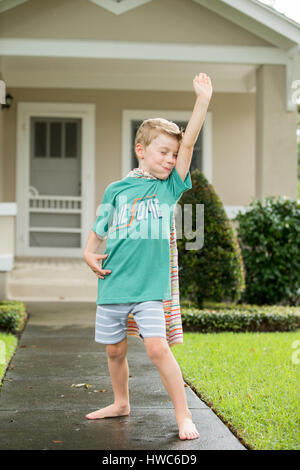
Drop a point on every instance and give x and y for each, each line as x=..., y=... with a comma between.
x=174, y=331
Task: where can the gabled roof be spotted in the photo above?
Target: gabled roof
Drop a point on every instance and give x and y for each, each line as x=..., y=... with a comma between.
x=258, y=18
x=277, y=12
x=253, y=15
x=8, y=4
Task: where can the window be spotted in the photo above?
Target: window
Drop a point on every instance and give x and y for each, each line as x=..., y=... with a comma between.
x=55, y=137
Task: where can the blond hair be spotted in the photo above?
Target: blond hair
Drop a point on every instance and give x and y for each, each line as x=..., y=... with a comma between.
x=151, y=128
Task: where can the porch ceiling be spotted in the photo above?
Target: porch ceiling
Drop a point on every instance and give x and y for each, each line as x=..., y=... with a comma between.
x=58, y=72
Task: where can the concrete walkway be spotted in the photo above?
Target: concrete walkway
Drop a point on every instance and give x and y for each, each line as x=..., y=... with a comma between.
x=38, y=404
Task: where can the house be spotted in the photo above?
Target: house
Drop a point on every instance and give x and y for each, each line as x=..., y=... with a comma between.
x=80, y=77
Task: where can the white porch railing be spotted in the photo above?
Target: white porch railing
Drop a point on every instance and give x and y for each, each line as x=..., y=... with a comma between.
x=54, y=205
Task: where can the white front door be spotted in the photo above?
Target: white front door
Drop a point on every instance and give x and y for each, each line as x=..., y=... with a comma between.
x=55, y=171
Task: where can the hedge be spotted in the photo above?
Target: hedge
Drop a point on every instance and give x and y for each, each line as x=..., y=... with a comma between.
x=240, y=318
x=215, y=317
x=13, y=316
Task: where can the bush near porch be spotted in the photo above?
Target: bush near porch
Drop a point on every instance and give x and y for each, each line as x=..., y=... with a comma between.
x=269, y=236
x=13, y=316
x=214, y=271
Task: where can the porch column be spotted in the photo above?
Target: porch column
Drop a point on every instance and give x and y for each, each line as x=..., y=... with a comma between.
x=276, y=142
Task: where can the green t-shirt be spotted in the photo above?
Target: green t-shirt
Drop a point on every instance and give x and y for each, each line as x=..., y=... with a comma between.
x=136, y=217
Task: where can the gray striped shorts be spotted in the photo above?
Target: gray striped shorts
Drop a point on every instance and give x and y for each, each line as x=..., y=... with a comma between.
x=111, y=320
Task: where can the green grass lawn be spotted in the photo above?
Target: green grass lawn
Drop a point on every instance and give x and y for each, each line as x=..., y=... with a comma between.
x=249, y=380
x=8, y=344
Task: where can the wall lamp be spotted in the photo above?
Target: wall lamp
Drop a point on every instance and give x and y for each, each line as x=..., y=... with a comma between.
x=8, y=101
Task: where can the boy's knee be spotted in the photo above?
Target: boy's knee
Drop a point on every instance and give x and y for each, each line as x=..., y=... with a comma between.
x=156, y=348
x=117, y=351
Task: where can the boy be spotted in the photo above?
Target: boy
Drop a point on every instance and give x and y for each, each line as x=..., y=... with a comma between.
x=137, y=265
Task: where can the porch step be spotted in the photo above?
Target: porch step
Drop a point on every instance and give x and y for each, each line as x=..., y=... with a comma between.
x=51, y=279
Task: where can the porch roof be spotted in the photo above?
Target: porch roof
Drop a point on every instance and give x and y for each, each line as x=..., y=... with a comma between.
x=151, y=64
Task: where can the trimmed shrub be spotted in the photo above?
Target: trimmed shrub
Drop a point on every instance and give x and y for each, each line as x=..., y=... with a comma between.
x=240, y=318
x=214, y=271
x=269, y=236
x=12, y=316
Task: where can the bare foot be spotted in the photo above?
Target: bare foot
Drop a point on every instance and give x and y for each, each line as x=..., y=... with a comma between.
x=110, y=411
x=187, y=429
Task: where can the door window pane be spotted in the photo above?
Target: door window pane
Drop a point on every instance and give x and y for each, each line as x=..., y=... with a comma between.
x=71, y=139
x=40, y=139
x=55, y=139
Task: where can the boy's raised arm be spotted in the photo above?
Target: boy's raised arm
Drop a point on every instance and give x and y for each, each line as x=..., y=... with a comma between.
x=203, y=89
